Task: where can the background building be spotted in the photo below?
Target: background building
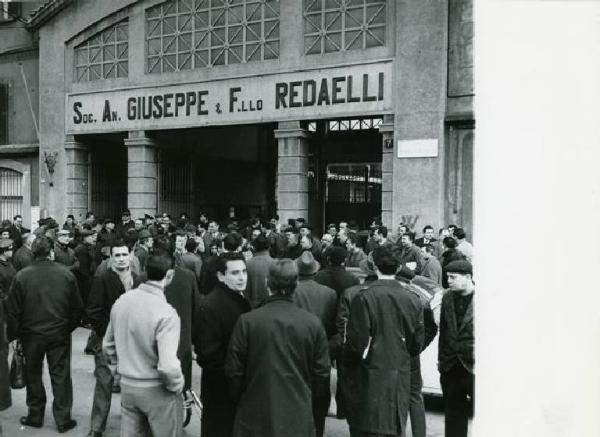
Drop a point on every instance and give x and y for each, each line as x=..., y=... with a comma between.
x=326, y=109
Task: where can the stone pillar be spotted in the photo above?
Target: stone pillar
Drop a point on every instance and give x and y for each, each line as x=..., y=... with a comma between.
x=387, y=170
x=292, y=171
x=78, y=156
x=142, y=174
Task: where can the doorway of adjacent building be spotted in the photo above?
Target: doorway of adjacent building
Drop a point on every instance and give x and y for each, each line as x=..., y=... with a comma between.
x=459, y=177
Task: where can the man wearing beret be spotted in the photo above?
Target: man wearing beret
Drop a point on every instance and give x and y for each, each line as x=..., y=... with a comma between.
x=455, y=353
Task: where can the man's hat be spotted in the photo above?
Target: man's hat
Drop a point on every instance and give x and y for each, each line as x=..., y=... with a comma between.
x=306, y=263
x=51, y=223
x=461, y=267
x=85, y=232
x=109, y=220
x=143, y=234
x=148, y=216
x=6, y=243
x=190, y=228
x=126, y=212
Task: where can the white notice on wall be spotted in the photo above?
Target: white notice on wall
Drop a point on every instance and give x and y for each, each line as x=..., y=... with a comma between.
x=418, y=148
x=35, y=216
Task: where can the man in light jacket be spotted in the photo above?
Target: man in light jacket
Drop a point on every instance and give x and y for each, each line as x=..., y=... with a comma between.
x=142, y=339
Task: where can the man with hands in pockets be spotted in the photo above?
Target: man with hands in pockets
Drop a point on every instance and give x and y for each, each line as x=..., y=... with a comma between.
x=142, y=339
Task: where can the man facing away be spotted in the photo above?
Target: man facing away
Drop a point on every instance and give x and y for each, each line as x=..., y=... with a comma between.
x=274, y=388
x=142, y=339
x=106, y=289
x=218, y=314
x=385, y=330
x=258, y=270
x=456, y=348
x=44, y=307
x=320, y=301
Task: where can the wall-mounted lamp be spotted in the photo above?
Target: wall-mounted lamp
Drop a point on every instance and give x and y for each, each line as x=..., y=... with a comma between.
x=388, y=143
x=50, y=161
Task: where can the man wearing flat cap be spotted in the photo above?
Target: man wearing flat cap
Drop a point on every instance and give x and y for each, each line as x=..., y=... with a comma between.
x=143, y=247
x=126, y=223
x=63, y=254
x=456, y=343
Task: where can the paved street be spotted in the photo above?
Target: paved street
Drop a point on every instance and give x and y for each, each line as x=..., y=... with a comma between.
x=83, y=387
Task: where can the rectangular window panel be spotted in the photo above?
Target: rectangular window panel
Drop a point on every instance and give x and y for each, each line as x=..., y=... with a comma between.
x=340, y=25
x=213, y=32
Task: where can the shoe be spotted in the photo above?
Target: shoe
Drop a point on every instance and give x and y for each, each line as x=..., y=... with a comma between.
x=88, y=351
x=95, y=434
x=26, y=421
x=116, y=389
x=67, y=426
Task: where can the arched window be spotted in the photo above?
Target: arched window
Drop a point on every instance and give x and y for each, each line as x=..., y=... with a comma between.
x=11, y=193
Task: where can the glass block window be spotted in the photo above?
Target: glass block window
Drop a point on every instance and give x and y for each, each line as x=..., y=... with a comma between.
x=105, y=55
x=188, y=34
x=339, y=25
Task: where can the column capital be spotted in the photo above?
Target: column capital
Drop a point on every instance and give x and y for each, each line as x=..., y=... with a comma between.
x=386, y=127
x=72, y=144
x=291, y=133
x=139, y=138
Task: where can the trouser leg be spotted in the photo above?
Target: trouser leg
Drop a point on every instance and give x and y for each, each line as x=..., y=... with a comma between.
x=457, y=384
x=36, y=393
x=133, y=422
x=417, y=407
x=320, y=407
x=164, y=411
x=59, y=367
x=102, y=391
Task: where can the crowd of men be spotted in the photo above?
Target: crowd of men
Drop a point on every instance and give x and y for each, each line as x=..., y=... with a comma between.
x=267, y=309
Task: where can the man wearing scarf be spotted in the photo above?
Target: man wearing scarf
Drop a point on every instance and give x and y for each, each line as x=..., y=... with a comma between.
x=106, y=289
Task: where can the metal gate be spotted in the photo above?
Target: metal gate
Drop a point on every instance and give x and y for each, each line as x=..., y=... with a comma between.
x=108, y=181
x=11, y=193
x=176, y=185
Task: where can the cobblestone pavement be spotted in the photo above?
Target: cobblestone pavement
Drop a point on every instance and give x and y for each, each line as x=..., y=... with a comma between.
x=83, y=388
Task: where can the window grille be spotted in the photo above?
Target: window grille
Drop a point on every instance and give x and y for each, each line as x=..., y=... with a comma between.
x=355, y=124
x=105, y=55
x=11, y=193
x=9, y=10
x=189, y=34
x=339, y=25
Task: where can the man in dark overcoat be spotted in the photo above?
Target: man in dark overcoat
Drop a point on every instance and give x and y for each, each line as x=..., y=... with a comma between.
x=44, y=307
x=219, y=311
x=85, y=252
x=335, y=274
x=5, y=399
x=182, y=294
x=322, y=302
x=274, y=389
x=63, y=254
x=385, y=329
x=346, y=385
x=7, y=271
x=258, y=269
x=23, y=256
x=106, y=289
x=456, y=348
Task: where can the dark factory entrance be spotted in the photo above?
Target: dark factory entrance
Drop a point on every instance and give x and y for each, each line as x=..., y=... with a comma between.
x=345, y=176
x=226, y=172
x=108, y=174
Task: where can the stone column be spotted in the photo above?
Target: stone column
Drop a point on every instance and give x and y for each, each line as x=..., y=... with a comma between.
x=78, y=155
x=292, y=169
x=142, y=174
x=387, y=170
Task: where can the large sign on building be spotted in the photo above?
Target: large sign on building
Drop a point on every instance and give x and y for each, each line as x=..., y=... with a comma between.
x=324, y=93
